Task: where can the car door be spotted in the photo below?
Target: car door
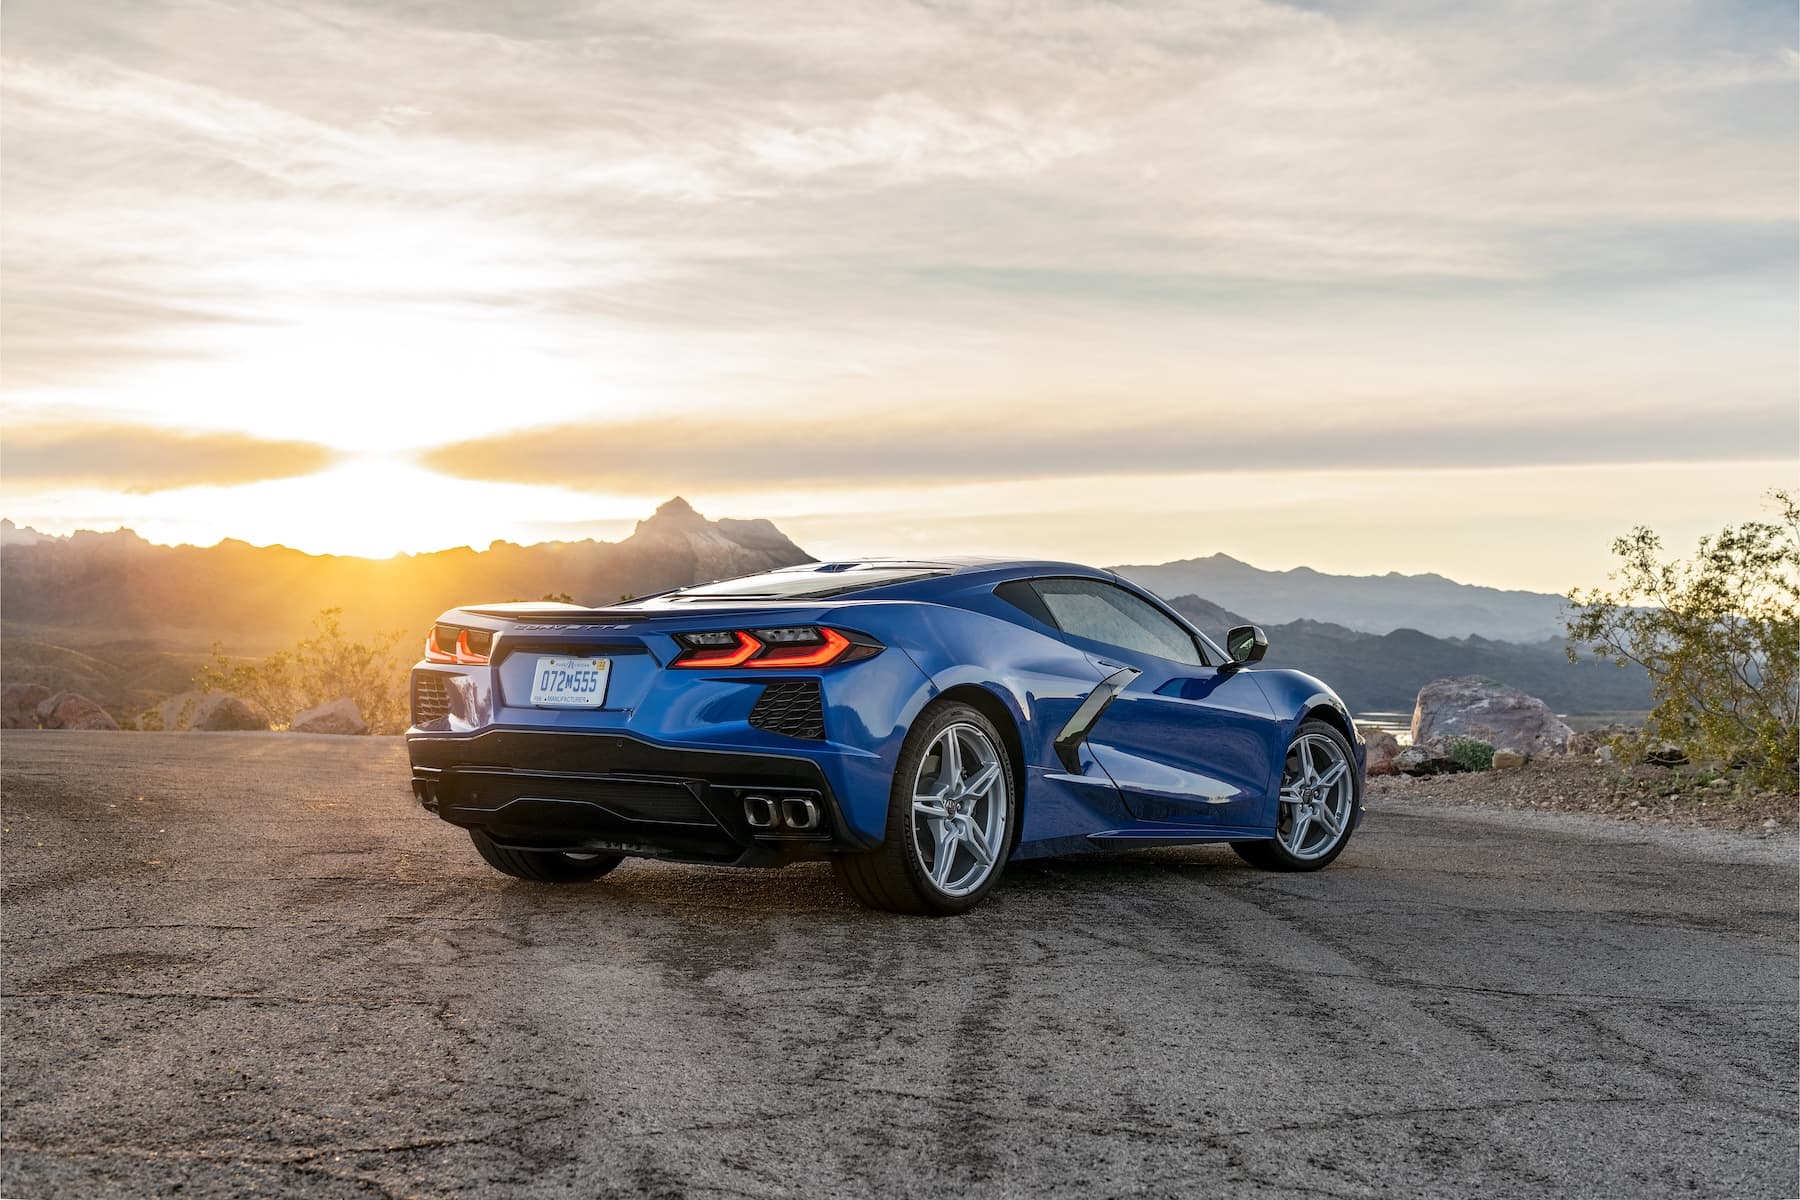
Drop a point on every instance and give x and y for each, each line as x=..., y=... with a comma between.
x=1186, y=742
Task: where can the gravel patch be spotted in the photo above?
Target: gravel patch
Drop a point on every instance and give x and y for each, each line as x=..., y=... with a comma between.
x=1642, y=795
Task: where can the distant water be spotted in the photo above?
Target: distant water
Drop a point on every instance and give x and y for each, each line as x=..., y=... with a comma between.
x=1400, y=723
x=1397, y=723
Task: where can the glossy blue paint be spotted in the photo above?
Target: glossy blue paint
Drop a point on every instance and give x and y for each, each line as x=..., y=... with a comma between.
x=1183, y=753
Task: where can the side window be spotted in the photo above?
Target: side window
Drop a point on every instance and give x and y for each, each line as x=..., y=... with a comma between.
x=1023, y=596
x=1111, y=615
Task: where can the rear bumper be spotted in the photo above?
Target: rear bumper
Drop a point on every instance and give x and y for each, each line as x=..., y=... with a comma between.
x=545, y=790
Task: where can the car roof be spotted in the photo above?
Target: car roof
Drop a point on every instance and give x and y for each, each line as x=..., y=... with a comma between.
x=954, y=569
x=904, y=576
x=956, y=564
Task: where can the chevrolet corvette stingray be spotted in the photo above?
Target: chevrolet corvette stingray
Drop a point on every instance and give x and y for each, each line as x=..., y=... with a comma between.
x=917, y=724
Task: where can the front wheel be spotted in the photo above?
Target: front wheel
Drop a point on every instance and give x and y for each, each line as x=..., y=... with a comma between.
x=1320, y=790
x=543, y=866
x=951, y=815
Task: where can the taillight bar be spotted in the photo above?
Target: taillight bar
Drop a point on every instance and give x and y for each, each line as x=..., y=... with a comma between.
x=773, y=649
x=743, y=649
x=460, y=651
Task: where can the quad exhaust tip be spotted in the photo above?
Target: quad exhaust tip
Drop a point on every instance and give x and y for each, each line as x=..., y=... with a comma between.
x=798, y=813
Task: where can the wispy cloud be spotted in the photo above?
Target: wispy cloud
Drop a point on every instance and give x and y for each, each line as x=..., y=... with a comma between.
x=143, y=459
x=883, y=449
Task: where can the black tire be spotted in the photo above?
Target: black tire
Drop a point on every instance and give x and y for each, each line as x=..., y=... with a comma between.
x=1271, y=855
x=892, y=878
x=543, y=866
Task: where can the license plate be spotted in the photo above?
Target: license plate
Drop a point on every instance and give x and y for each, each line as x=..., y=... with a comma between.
x=570, y=682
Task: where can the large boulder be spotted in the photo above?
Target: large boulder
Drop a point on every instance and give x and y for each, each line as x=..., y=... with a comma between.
x=208, y=711
x=1469, y=706
x=19, y=704
x=1382, y=748
x=67, y=710
x=339, y=716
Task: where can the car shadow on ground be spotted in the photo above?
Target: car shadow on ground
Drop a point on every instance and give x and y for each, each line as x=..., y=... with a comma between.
x=811, y=889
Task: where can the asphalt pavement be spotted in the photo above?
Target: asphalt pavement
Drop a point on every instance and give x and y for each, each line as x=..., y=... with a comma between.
x=248, y=964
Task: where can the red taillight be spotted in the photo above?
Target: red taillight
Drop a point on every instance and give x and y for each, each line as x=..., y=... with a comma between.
x=746, y=648
x=459, y=651
x=833, y=647
x=772, y=648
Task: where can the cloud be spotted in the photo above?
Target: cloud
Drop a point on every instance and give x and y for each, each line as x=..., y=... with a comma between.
x=880, y=449
x=537, y=213
x=140, y=458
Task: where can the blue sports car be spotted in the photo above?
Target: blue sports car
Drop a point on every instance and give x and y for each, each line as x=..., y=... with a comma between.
x=918, y=724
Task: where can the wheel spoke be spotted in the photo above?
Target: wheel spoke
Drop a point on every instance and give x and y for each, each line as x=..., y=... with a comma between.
x=1333, y=774
x=950, y=761
x=1308, y=772
x=983, y=780
x=945, y=856
x=1291, y=794
x=976, y=840
x=1329, y=818
x=1297, y=833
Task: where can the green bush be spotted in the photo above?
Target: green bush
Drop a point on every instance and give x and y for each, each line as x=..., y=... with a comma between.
x=1719, y=635
x=1471, y=754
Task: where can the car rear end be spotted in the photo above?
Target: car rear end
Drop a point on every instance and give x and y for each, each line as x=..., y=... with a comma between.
x=710, y=730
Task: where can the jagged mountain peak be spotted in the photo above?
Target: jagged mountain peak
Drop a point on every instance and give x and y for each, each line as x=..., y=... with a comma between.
x=676, y=508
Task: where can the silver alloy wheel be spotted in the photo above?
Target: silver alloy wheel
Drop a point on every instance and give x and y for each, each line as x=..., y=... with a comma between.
x=1317, y=790
x=959, y=809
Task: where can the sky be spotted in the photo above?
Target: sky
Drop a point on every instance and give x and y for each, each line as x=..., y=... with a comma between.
x=1368, y=287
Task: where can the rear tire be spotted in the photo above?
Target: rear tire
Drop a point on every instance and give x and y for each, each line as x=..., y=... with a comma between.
x=954, y=799
x=1310, y=791
x=543, y=866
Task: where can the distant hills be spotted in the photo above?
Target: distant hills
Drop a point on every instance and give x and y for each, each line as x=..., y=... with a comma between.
x=1383, y=672
x=102, y=588
x=1366, y=603
x=125, y=621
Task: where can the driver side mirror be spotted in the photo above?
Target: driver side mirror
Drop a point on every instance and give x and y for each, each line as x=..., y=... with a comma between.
x=1246, y=644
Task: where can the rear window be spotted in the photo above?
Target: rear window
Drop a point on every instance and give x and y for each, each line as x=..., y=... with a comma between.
x=815, y=581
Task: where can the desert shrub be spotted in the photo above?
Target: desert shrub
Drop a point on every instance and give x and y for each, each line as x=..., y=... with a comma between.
x=1471, y=754
x=1719, y=634
x=318, y=669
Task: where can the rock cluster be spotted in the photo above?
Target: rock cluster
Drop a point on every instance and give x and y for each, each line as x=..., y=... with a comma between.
x=19, y=704
x=33, y=706
x=67, y=710
x=1382, y=748
x=1429, y=758
x=204, y=711
x=1470, y=708
x=339, y=716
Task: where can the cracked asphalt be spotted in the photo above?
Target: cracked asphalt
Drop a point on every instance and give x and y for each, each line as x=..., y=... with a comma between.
x=241, y=964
